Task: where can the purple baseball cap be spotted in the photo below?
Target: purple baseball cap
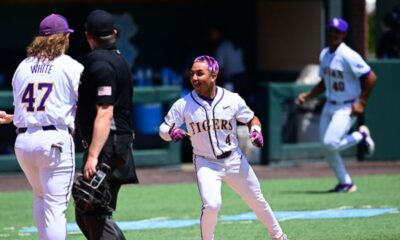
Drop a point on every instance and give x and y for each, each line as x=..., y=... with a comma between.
x=338, y=23
x=54, y=24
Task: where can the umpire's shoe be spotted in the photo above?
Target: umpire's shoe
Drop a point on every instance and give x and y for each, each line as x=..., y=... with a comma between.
x=367, y=142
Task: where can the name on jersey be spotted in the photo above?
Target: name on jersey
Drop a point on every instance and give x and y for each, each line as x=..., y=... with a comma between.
x=41, y=68
x=210, y=124
x=333, y=72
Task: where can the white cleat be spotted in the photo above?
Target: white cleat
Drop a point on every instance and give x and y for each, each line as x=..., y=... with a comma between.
x=367, y=141
x=283, y=237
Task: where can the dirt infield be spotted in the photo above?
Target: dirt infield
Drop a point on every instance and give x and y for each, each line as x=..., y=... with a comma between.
x=185, y=172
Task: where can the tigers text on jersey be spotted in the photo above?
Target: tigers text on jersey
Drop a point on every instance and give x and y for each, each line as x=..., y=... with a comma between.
x=45, y=92
x=212, y=127
x=341, y=71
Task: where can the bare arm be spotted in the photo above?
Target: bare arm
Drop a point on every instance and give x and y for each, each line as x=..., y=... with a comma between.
x=254, y=122
x=256, y=136
x=101, y=130
x=367, y=84
x=315, y=91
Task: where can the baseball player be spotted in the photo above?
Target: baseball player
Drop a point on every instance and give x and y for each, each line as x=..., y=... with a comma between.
x=347, y=81
x=45, y=87
x=211, y=114
x=5, y=118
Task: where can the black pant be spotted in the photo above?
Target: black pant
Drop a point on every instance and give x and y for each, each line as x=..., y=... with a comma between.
x=117, y=153
x=100, y=225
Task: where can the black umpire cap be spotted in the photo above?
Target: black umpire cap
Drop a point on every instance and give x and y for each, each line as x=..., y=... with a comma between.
x=99, y=23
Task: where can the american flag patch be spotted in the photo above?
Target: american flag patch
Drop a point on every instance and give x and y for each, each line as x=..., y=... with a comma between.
x=104, y=91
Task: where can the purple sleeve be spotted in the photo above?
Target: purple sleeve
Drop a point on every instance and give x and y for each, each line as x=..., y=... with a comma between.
x=365, y=75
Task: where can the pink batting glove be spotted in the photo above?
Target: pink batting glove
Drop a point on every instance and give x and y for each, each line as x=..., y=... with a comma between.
x=177, y=134
x=257, y=139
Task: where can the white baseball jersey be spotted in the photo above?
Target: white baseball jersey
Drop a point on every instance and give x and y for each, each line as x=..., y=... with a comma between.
x=45, y=92
x=212, y=127
x=341, y=71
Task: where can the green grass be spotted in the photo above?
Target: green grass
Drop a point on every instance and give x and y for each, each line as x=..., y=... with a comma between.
x=138, y=202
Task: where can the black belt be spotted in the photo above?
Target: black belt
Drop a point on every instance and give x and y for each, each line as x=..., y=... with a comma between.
x=224, y=155
x=344, y=102
x=45, y=128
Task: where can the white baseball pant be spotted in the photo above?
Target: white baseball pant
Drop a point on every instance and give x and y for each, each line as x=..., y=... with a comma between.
x=238, y=174
x=335, y=122
x=50, y=172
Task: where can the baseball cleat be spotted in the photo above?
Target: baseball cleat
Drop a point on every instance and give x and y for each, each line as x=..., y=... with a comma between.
x=344, y=187
x=283, y=237
x=368, y=143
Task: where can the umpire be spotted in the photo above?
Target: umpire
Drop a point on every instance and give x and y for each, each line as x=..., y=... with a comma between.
x=104, y=121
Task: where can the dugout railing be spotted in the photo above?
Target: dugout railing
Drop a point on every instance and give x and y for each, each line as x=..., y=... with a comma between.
x=169, y=155
x=273, y=96
x=382, y=115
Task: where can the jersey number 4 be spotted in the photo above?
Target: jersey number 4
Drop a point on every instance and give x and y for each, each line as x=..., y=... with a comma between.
x=29, y=96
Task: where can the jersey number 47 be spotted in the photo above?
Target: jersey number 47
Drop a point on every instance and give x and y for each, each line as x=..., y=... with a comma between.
x=30, y=94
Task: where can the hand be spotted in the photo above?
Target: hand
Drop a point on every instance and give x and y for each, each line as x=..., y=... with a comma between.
x=357, y=109
x=90, y=168
x=177, y=134
x=257, y=139
x=5, y=118
x=302, y=97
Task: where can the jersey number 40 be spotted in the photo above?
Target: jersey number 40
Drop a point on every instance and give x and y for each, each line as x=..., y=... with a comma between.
x=29, y=96
x=339, y=86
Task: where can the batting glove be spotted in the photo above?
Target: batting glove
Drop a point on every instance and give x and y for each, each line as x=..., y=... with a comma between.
x=256, y=137
x=177, y=134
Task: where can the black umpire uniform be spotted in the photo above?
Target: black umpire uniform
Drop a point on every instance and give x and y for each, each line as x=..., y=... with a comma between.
x=106, y=80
